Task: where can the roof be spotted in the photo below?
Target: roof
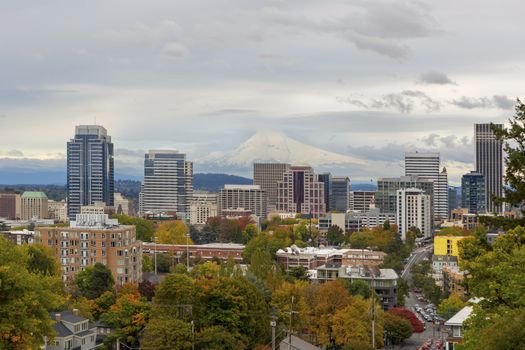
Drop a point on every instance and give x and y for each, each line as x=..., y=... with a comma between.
x=62, y=331
x=460, y=317
x=298, y=343
x=34, y=194
x=85, y=333
x=68, y=316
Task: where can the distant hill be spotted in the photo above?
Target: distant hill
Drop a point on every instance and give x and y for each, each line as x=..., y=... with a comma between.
x=362, y=187
x=214, y=182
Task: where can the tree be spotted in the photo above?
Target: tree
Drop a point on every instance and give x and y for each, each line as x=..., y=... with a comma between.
x=41, y=260
x=147, y=264
x=417, y=325
x=298, y=273
x=249, y=232
x=127, y=317
x=396, y=328
x=145, y=228
x=164, y=262
x=167, y=333
x=358, y=287
x=450, y=306
x=94, y=281
x=173, y=232
x=26, y=298
x=216, y=337
x=353, y=324
x=265, y=242
x=514, y=147
x=147, y=290
x=335, y=235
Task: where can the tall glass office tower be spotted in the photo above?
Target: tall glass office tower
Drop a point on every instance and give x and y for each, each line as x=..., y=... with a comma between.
x=489, y=163
x=90, y=172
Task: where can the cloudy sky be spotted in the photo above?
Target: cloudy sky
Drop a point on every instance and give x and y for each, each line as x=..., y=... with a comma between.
x=364, y=78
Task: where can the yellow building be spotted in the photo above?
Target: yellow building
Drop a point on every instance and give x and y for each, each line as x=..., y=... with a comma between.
x=447, y=245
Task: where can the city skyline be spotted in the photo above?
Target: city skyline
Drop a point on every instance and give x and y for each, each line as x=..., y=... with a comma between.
x=365, y=78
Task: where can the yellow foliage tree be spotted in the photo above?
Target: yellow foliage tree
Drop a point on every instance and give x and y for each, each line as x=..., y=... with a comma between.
x=173, y=232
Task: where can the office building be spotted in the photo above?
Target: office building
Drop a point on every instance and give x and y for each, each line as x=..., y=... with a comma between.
x=473, y=192
x=361, y=200
x=245, y=197
x=34, y=205
x=447, y=245
x=326, y=179
x=454, y=199
x=202, y=207
x=10, y=206
x=168, y=184
x=426, y=166
x=386, y=195
x=267, y=175
x=413, y=210
x=93, y=238
x=121, y=204
x=300, y=192
x=339, y=196
x=489, y=163
x=57, y=210
x=356, y=221
x=90, y=173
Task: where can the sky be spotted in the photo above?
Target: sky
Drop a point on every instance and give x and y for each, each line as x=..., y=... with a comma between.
x=364, y=78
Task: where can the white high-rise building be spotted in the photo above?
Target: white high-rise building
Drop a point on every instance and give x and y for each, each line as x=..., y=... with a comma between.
x=168, y=184
x=413, y=210
x=426, y=166
x=243, y=198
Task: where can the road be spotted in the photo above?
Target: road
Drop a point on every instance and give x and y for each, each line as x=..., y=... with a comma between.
x=417, y=339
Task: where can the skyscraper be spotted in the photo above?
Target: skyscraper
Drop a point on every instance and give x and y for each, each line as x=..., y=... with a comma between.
x=301, y=192
x=267, y=175
x=168, y=183
x=489, y=163
x=90, y=173
x=473, y=192
x=386, y=195
x=340, y=189
x=326, y=179
x=426, y=166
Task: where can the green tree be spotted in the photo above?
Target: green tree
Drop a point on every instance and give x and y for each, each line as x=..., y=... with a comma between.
x=26, y=297
x=335, y=235
x=167, y=333
x=450, y=306
x=219, y=338
x=249, y=232
x=265, y=242
x=358, y=287
x=145, y=228
x=94, y=281
x=396, y=328
x=514, y=146
x=298, y=273
x=41, y=260
x=173, y=232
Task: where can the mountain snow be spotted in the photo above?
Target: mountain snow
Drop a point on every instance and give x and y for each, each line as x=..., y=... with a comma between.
x=271, y=146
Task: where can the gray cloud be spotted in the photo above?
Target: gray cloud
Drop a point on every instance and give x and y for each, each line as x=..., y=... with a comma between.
x=496, y=101
x=435, y=77
x=12, y=153
x=129, y=152
x=404, y=102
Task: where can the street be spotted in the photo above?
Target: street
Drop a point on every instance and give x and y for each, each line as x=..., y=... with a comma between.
x=417, y=339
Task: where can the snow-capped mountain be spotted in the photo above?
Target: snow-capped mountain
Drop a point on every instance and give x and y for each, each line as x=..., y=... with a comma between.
x=270, y=146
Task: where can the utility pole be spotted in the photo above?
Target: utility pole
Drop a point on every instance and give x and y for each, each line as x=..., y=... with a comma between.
x=373, y=312
x=187, y=252
x=290, y=324
x=155, y=253
x=273, y=323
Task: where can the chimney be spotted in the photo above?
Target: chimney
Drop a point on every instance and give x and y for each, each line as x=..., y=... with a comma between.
x=75, y=312
x=58, y=317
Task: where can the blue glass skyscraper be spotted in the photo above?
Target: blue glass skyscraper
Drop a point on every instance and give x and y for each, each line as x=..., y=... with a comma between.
x=473, y=194
x=90, y=172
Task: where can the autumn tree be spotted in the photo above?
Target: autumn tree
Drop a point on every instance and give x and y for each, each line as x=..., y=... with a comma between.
x=167, y=333
x=335, y=235
x=217, y=337
x=358, y=287
x=173, y=232
x=417, y=325
x=145, y=228
x=128, y=316
x=27, y=295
